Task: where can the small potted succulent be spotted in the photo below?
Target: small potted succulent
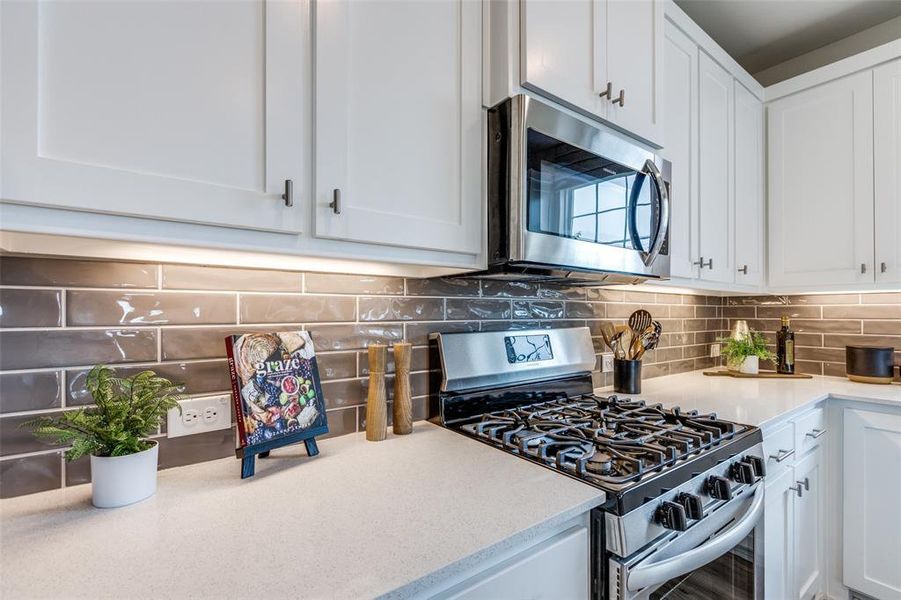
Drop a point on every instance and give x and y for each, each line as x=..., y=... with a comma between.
x=115, y=433
x=743, y=353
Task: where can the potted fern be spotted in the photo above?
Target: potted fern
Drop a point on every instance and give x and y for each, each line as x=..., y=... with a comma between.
x=115, y=433
x=744, y=352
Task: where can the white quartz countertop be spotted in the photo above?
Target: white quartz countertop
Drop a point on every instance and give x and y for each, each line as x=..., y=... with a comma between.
x=362, y=519
x=756, y=401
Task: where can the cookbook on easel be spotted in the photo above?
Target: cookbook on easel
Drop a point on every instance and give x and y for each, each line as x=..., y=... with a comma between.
x=275, y=386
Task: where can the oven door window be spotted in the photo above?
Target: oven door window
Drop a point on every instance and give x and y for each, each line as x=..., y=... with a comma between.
x=729, y=577
x=575, y=194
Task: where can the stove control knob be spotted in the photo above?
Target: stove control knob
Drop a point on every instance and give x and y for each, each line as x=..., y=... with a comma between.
x=719, y=487
x=692, y=504
x=757, y=463
x=742, y=472
x=672, y=516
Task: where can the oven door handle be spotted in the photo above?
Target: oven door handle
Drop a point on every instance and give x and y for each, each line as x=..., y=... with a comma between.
x=643, y=576
x=663, y=221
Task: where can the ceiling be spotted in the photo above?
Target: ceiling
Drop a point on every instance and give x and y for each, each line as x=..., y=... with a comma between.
x=759, y=34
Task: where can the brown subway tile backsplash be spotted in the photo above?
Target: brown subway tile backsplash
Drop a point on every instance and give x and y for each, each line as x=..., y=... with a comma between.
x=30, y=474
x=73, y=347
x=465, y=308
x=90, y=308
x=49, y=272
x=331, y=283
x=285, y=308
x=443, y=287
x=188, y=277
x=30, y=308
x=401, y=309
x=29, y=391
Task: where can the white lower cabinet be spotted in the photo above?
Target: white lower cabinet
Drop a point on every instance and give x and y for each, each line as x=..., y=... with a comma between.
x=555, y=569
x=872, y=503
x=779, y=536
x=808, y=526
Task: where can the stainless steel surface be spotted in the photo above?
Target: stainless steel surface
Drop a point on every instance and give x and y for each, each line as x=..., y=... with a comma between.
x=632, y=532
x=744, y=270
x=782, y=455
x=288, y=196
x=608, y=91
x=815, y=433
x=479, y=360
x=565, y=258
x=663, y=220
x=622, y=98
x=661, y=568
x=335, y=204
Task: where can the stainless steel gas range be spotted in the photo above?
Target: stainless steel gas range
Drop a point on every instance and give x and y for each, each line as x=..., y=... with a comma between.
x=683, y=516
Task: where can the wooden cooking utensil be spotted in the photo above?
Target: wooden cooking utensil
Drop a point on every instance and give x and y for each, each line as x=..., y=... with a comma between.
x=403, y=405
x=607, y=332
x=377, y=401
x=639, y=321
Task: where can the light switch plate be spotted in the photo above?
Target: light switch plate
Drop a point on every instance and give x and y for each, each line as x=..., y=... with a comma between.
x=199, y=415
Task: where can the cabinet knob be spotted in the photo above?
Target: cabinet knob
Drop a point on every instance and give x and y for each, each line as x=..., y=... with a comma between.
x=607, y=92
x=288, y=196
x=335, y=204
x=744, y=270
x=622, y=98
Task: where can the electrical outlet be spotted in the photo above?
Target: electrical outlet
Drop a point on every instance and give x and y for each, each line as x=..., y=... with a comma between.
x=714, y=350
x=607, y=362
x=199, y=415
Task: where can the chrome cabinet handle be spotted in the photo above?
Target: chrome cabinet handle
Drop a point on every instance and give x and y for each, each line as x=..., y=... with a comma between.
x=815, y=433
x=863, y=267
x=710, y=264
x=744, y=270
x=622, y=98
x=335, y=204
x=607, y=92
x=663, y=220
x=805, y=483
x=782, y=455
x=883, y=267
x=288, y=196
x=701, y=263
x=797, y=489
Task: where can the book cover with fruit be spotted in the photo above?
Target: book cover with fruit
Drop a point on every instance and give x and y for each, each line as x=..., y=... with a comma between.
x=275, y=385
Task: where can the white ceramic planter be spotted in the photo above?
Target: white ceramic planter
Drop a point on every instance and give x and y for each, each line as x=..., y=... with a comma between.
x=121, y=480
x=750, y=365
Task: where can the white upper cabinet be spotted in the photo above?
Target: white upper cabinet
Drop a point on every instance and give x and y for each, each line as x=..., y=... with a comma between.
x=602, y=57
x=715, y=159
x=748, y=185
x=561, y=54
x=184, y=111
x=399, y=124
x=634, y=51
x=887, y=170
x=681, y=149
x=821, y=184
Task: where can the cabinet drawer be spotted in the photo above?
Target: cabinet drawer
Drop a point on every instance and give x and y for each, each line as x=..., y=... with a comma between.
x=809, y=429
x=779, y=449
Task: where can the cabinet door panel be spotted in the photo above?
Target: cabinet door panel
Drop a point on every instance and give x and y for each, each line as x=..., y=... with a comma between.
x=887, y=170
x=399, y=123
x=680, y=148
x=821, y=184
x=634, y=37
x=748, y=187
x=808, y=524
x=563, y=53
x=143, y=108
x=778, y=536
x=872, y=486
x=716, y=202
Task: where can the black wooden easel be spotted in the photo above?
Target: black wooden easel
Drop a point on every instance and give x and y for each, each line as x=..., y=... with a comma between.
x=248, y=454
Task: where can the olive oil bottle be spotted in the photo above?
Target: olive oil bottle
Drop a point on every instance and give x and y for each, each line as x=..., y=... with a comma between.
x=785, y=348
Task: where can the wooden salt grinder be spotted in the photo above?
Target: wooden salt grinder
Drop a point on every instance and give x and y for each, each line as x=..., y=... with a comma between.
x=377, y=402
x=403, y=404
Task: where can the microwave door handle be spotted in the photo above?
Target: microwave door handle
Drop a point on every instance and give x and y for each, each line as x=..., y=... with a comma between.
x=663, y=220
x=641, y=577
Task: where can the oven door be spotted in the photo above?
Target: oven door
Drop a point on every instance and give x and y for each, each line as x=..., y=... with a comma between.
x=720, y=557
x=588, y=199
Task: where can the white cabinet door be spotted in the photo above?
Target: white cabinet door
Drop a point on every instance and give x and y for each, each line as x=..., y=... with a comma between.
x=399, y=123
x=634, y=40
x=680, y=148
x=558, y=568
x=808, y=527
x=821, y=184
x=778, y=531
x=872, y=487
x=887, y=170
x=563, y=51
x=186, y=111
x=748, y=185
x=715, y=199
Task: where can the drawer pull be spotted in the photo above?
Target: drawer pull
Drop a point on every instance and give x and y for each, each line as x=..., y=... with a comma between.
x=782, y=455
x=797, y=489
x=805, y=483
x=815, y=433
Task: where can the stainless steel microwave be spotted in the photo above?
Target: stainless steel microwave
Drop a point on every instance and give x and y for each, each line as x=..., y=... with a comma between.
x=571, y=201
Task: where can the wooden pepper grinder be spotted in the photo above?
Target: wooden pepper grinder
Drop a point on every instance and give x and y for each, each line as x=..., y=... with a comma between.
x=377, y=402
x=403, y=403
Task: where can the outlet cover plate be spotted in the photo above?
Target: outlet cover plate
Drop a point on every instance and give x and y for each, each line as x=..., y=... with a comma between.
x=715, y=350
x=199, y=415
x=607, y=362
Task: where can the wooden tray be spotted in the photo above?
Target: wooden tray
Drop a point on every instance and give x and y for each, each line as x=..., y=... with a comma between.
x=760, y=375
